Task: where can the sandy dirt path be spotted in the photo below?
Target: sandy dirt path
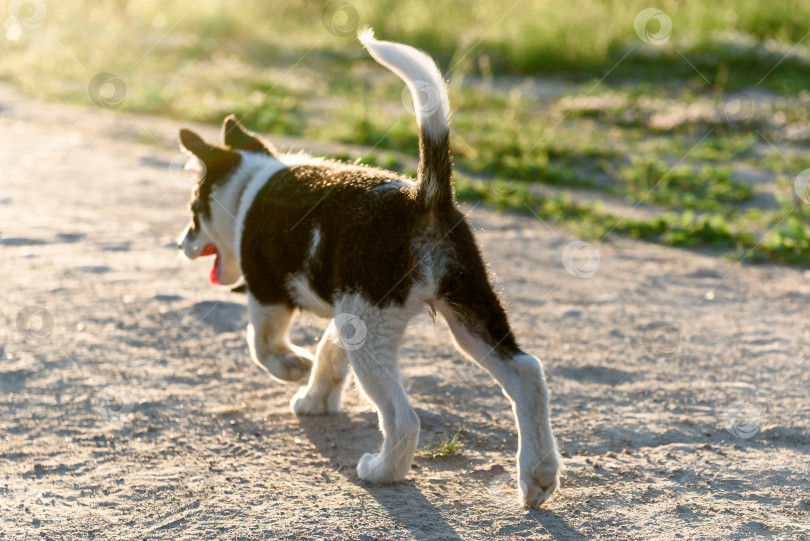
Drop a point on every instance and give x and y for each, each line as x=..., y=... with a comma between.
x=129, y=408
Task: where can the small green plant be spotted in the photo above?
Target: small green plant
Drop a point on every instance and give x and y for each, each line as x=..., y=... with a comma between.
x=226, y=410
x=441, y=447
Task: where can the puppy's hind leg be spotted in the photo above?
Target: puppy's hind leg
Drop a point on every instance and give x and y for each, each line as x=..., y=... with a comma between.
x=324, y=392
x=480, y=330
x=270, y=347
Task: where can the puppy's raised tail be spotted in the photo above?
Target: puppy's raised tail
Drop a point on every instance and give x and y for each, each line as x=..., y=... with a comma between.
x=432, y=110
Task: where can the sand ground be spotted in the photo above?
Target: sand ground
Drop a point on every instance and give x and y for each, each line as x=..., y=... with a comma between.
x=129, y=408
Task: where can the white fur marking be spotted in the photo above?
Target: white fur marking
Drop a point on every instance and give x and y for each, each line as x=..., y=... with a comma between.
x=257, y=169
x=316, y=241
x=423, y=78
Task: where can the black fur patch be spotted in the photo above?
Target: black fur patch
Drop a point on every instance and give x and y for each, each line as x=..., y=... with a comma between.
x=435, y=172
x=467, y=290
x=367, y=221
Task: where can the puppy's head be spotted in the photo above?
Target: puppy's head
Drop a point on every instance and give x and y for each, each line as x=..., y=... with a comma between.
x=214, y=200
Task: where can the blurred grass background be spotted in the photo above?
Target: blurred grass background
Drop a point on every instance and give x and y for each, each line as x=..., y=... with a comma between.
x=560, y=109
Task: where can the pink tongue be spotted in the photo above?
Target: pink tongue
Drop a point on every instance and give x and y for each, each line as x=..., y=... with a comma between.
x=214, y=276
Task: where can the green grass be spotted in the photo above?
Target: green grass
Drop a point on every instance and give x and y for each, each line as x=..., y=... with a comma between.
x=441, y=447
x=786, y=239
x=710, y=187
x=162, y=49
x=284, y=69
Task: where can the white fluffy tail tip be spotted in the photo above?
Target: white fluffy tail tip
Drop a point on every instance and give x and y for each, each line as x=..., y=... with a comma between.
x=366, y=35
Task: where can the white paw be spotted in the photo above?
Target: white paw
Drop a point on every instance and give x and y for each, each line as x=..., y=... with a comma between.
x=537, y=484
x=334, y=400
x=372, y=468
x=285, y=366
x=307, y=403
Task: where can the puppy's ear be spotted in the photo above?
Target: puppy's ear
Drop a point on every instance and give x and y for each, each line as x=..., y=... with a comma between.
x=191, y=142
x=218, y=160
x=236, y=136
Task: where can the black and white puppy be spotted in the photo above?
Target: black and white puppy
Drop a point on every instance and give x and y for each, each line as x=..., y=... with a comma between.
x=369, y=249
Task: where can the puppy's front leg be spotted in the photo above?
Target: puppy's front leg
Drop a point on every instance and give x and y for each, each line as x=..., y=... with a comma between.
x=324, y=392
x=270, y=347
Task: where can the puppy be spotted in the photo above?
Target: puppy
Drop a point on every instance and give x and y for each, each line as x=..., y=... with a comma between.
x=368, y=249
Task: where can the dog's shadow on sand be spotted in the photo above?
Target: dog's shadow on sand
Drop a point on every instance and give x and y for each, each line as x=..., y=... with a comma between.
x=404, y=501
